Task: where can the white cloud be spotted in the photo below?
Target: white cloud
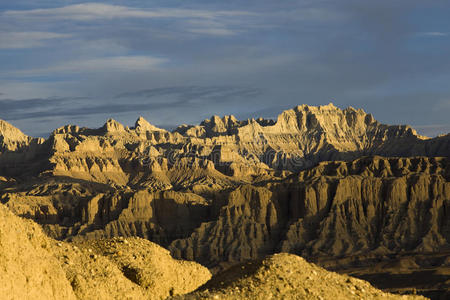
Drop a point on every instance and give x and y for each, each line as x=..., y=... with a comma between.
x=100, y=65
x=12, y=89
x=198, y=21
x=209, y=27
x=91, y=11
x=212, y=31
x=434, y=33
x=30, y=39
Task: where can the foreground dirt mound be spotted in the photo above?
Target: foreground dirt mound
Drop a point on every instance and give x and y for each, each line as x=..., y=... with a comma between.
x=286, y=276
x=28, y=270
x=33, y=266
x=150, y=266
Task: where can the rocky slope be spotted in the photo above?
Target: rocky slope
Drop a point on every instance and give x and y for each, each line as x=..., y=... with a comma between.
x=335, y=209
x=320, y=182
x=33, y=266
x=289, y=277
x=12, y=139
x=375, y=204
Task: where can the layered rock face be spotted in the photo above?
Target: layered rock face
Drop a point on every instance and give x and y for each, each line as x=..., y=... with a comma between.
x=319, y=181
x=149, y=156
x=12, y=139
x=335, y=209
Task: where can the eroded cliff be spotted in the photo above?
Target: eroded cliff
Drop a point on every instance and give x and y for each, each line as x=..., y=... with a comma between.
x=320, y=182
x=335, y=209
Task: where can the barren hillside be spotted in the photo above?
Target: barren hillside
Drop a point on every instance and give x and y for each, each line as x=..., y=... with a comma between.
x=320, y=182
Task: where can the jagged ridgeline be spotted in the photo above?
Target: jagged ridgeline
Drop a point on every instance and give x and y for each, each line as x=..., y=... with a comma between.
x=318, y=181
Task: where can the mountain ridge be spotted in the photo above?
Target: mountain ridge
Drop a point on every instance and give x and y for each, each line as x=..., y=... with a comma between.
x=320, y=182
x=300, y=138
x=231, y=120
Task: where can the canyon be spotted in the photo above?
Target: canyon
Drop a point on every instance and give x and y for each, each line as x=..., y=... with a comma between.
x=332, y=185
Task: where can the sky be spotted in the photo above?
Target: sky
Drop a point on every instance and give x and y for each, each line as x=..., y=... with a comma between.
x=179, y=62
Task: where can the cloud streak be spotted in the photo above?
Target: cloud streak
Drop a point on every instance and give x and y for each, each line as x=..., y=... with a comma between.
x=139, y=101
x=99, y=65
x=28, y=39
x=191, y=93
x=434, y=34
x=197, y=21
x=93, y=11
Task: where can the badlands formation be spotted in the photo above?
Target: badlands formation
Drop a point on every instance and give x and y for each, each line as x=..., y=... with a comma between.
x=334, y=186
x=34, y=266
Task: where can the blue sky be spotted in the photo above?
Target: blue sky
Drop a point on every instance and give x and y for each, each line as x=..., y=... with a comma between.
x=174, y=62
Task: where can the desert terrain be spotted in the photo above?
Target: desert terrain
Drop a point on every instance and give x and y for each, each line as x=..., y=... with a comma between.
x=227, y=209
